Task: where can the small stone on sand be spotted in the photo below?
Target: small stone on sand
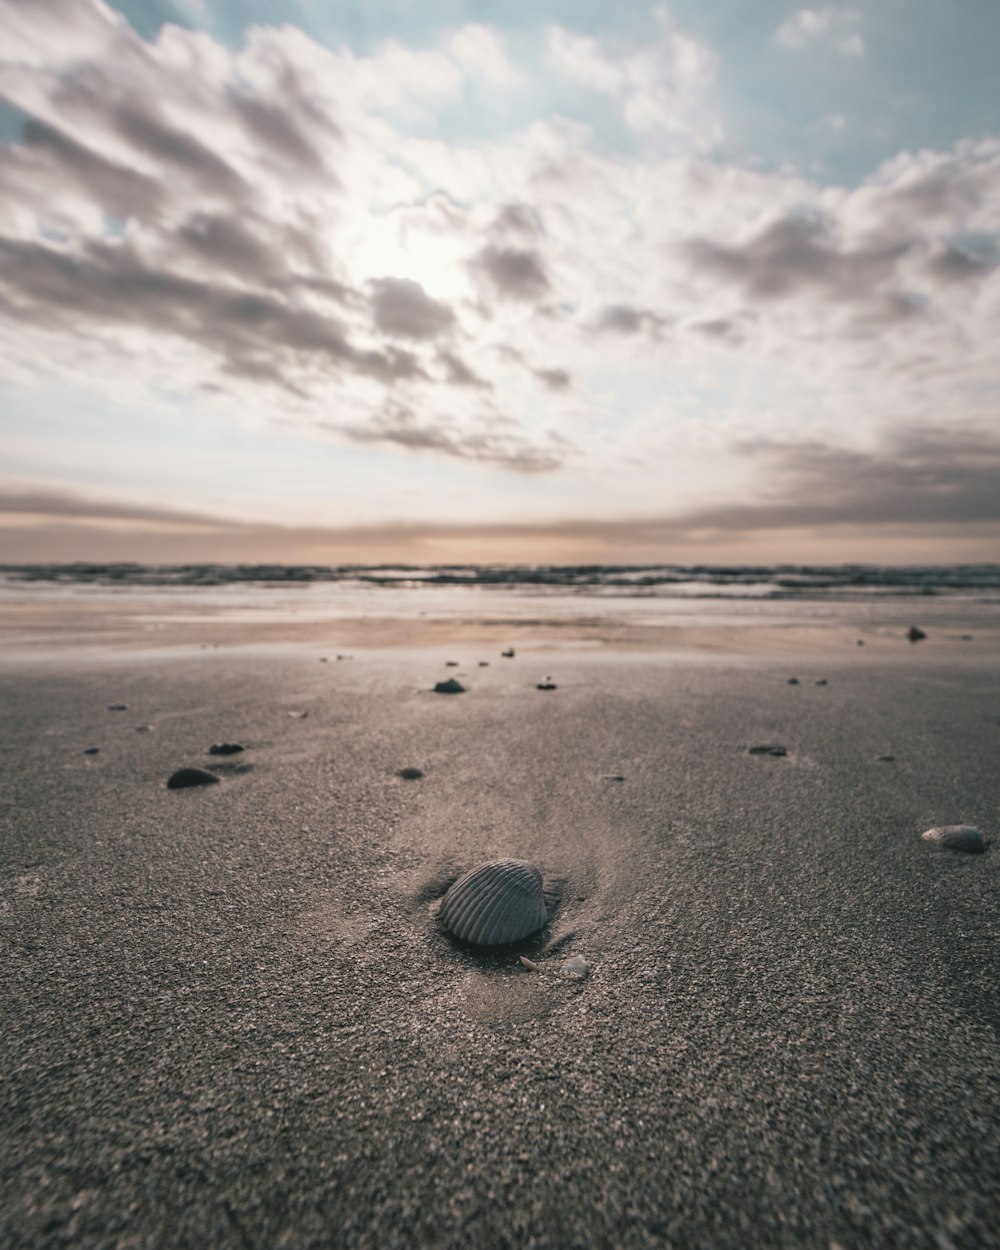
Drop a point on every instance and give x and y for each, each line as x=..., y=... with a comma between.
x=451, y=663
x=91, y=750
x=451, y=686
x=185, y=777
x=793, y=681
x=225, y=748
x=143, y=729
x=508, y=654
x=575, y=969
x=547, y=684
x=484, y=663
x=914, y=633
x=529, y=964
x=886, y=759
x=298, y=715
x=821, y=681
x=410, y=774
x=612, y=777
x=117, y=707
x=767, y=748
x=956, y=838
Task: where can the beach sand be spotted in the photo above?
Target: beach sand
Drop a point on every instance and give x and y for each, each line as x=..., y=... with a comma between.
x=230, y=1018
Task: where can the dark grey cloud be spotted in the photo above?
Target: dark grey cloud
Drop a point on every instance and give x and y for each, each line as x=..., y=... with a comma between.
x=514, y=273
x=554, y=379
x=625, y=320
x=796, y=254
x=248, y=330
x=63, y=504
x=403, y=309
x=227, y=243
x=458, y=372
x=918, y=476
x=296, y=134
x=182, y=151
x=121, y=191
x=497, y=441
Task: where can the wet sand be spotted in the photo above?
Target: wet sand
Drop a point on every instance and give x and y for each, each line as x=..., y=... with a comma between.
x=230, y=1018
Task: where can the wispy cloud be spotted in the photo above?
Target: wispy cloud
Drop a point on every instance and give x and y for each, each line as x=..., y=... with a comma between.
x=832, y=25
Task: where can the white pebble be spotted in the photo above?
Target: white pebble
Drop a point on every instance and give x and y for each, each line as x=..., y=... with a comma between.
x=575, y=969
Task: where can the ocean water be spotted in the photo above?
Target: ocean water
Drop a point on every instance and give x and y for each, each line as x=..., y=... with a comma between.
x=980, y=582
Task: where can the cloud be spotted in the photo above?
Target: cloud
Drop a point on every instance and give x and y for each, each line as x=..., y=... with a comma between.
x=496, y=441
x=514, y=273
x=480, y=52
x=69, y=506
x=831, y=24
x=664, y=89
x=403, y=309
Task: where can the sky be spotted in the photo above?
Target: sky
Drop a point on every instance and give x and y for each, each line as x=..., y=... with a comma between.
x=707, y=281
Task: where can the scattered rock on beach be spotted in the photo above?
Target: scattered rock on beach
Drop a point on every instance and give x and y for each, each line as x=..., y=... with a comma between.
x=612, y=777
x=508, y=654
x=91, y=750
x=298, y=715
x=767, y=748
x=575, y=969
x=821, y=681
x=143, y=729
x=451, y=663
x=484, y=663
x=225, y=748
x=915, y=634
x=793, y=681
x=546, y=684
x=496, y=903
x=117, y=707
x=886, y=759
x=451, y=686
x=410, y=774
x=185, y=777
x=956, y=838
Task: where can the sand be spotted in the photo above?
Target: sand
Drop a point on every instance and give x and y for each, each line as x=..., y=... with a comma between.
x=231, y=1020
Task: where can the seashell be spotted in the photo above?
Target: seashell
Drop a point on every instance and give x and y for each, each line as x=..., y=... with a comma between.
x=956, y=838
x=575, y=969
x=225, y=748
x=496, y=903
x=451, y=686
x=185, y=777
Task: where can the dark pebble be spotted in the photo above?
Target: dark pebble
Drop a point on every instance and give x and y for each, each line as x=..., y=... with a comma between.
x=546, y=685
x=451, y=686
x=508, y=654
x=410, y=774
x=117, y=707
x=225, y=748
x=821, y=681
x=185, y=777
x=793, y=681
x=451, y=663
x=767, y=748
x=915, y=634
x=612, y=777
x=886, y=759
x=484, y=663
x=91, y=750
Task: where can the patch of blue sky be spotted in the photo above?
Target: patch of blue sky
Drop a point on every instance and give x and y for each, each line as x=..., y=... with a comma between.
x=12, y=122
x=927, y=76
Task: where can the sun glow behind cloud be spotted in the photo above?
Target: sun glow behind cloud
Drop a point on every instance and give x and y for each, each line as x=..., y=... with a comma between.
x=270, y=246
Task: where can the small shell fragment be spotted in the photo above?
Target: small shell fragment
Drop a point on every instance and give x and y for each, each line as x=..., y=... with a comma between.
x=496, y=903
x=529, y=964
x=575, y=969
x=956, y=838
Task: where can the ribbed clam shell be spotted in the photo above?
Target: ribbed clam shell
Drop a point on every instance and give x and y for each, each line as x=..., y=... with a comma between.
x=495, y=903
x=956, y=838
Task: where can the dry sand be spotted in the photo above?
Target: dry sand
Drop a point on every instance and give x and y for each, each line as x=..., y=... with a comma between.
x=230, y=1019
